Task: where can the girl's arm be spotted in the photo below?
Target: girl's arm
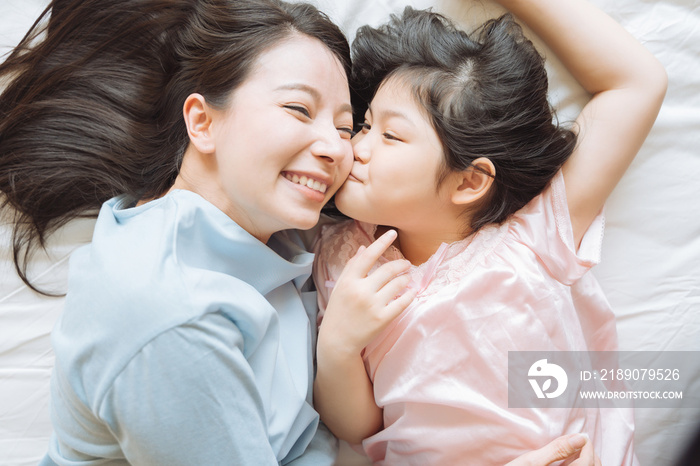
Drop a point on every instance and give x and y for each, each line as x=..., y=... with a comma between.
x=360, y=307
x=627, y=85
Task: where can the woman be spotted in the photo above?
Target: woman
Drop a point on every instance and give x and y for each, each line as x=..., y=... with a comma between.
x=186, y=336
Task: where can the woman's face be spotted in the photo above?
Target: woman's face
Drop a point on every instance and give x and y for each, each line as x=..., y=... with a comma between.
x=398, y=156
x=283, y=144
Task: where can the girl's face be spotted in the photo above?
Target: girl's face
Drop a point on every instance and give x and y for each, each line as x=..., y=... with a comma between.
x=283, y=144
x=398, y=156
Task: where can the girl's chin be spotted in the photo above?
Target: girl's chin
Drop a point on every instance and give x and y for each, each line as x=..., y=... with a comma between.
x=354, y=206
x=352, y=211
x=342, y=206
x=343, y=200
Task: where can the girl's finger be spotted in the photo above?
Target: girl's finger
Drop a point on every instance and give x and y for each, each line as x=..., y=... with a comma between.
x=394, y=288
x=363, y=261
x=387, y=272
x=400, y=303
x=357, y=254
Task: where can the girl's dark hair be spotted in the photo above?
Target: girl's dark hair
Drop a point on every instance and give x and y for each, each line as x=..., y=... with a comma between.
x=485, y=95
x=92, y=106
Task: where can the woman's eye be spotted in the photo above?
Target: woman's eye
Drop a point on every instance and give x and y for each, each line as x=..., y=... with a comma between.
x=299, y=109
x=346, y=133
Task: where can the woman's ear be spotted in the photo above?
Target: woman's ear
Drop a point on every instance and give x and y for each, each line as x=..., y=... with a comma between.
x=198, y=118
x=474, y=182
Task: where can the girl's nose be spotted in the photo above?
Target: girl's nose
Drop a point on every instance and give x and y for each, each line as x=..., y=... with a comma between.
x=360, y=148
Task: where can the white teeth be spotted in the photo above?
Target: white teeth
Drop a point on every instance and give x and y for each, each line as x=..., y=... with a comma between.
x=308, y=182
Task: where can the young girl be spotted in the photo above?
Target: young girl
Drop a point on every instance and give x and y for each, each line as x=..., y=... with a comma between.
x=497, y=218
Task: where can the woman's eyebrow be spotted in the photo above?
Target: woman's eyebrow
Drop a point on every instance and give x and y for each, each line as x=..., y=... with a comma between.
x=301, y=87
x=313, y=92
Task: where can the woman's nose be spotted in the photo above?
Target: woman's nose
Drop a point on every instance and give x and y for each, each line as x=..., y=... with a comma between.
x=331, y=146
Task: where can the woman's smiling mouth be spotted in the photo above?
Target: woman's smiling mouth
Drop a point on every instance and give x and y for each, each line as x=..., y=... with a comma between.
x=308, y=182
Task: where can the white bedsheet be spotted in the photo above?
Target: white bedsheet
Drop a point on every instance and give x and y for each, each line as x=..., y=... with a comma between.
x=651, y=257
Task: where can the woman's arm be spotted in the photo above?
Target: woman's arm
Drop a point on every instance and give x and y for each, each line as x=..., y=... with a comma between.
x=360, y=307
x=189, y=397
x=627, y=85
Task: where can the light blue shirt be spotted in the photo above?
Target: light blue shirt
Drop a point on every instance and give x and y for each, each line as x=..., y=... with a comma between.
x=185, y=341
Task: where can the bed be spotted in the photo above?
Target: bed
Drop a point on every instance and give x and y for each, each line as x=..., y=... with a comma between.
x=650, y=268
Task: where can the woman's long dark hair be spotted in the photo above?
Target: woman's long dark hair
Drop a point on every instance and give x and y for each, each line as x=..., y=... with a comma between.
x=485, y=93
x=92, y=105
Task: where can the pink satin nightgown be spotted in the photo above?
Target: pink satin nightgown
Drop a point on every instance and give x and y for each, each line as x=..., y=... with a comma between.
x=440, y=369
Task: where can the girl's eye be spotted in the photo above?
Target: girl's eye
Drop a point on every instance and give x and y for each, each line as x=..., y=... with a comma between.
x=299, y=109
x=364, y=127
x=391, y=137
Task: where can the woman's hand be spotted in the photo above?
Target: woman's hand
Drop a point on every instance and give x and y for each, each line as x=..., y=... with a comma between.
x=362, y=304
x=574, y=447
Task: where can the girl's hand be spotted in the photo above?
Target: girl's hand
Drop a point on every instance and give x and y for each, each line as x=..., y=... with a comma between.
x=361, y=304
